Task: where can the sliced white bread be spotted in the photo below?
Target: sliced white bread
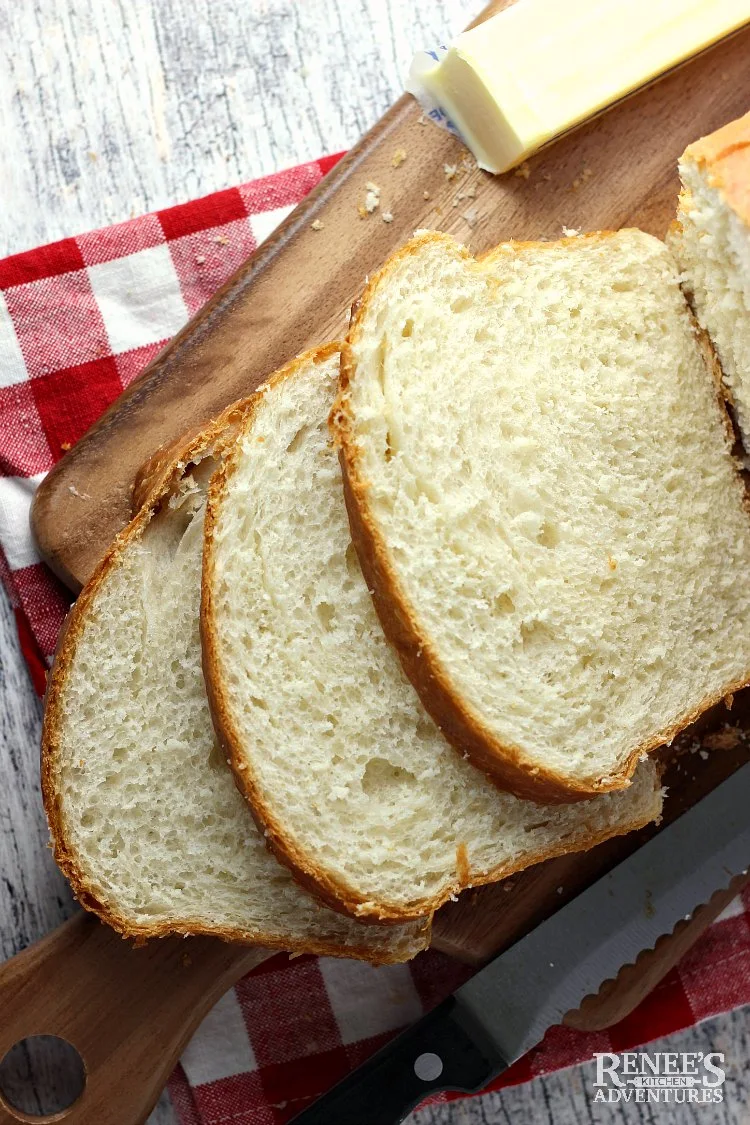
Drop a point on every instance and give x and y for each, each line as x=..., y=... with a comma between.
x=146, y=820
x=351, y=780
x=542, y=494
x=711, y=240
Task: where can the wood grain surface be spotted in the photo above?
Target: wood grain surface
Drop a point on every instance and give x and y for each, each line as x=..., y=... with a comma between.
x=112, y=109
x=297, y=288
x=127, y=1011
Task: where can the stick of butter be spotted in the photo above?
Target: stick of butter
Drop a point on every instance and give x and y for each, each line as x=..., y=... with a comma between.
x=541, y=67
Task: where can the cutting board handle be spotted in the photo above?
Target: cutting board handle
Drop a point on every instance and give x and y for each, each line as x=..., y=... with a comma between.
x=128, y=1012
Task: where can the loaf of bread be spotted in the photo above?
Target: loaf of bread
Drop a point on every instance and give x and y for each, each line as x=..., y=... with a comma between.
x=543, y=499
x=353, y=783
x=711, y=240
x=146, y=820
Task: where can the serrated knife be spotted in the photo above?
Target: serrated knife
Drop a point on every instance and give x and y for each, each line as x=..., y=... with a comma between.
x=505, y=1009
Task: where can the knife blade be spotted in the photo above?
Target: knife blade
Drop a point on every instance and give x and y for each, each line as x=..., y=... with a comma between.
x=505, y=1009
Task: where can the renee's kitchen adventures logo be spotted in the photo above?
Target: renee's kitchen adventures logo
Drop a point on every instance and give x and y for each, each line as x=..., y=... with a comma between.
x=662, y=1076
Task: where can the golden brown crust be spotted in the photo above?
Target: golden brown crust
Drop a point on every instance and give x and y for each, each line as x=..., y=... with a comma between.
x=151, y=477
x=463, y=870
x=166, y=471
x=507, y=765
x=337, y=893
x=724, y=159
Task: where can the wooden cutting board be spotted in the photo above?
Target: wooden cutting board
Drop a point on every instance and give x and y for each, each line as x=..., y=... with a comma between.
x=141, y=1005
x=297, y=288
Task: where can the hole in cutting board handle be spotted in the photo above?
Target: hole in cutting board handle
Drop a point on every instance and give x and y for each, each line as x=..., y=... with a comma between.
x=41, y=1079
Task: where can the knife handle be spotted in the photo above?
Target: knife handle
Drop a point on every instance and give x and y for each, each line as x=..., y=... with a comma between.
x=446, y=1050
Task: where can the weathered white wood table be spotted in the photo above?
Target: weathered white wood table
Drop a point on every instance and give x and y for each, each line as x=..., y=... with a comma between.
x=109, y=109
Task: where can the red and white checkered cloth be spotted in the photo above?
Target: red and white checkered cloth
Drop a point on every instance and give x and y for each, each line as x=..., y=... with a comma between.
x=79, y=319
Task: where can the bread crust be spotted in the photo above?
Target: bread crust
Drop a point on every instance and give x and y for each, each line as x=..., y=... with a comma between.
x=724, y=159
x=506, y=764
x=166, y=471
x=335, y=892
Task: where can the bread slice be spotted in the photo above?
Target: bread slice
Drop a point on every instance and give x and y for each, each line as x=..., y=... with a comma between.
x=146, y=820
x=352, y=781
x=544, y=501
x=711, y=240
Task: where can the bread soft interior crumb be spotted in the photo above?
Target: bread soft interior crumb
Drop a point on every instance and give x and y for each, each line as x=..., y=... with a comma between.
x=546, y=461
x=149, y=807
x=349, y=764
x=712, y=245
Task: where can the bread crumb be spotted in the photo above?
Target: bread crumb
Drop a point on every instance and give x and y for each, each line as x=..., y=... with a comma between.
x=387, y=217
x=469, y=193
x=399, y=157
x=422, y=120
x=728, y=701
x=316, y=224
x=472, y=216
x=523, y=171
x=547, y=176
x=222, y=239
x=372, y=199
x=362, y=211
x=81, y=495
x=450, y=170
x=425, y=195
x=585, y=175
x=200, y=259
x=570, y=232
x=65, y=446
x=612, y=563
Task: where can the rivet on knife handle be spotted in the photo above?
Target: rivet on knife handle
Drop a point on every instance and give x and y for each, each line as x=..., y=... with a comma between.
x=446, y=1050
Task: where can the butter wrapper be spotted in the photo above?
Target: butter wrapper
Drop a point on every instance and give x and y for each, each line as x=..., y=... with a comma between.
x=422, y=63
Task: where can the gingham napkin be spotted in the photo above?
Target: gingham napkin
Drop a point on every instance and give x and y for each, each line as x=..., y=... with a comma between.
x=79, y=319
